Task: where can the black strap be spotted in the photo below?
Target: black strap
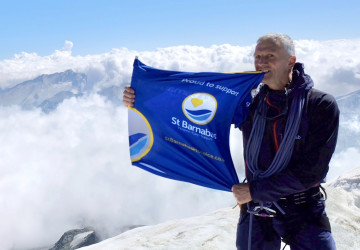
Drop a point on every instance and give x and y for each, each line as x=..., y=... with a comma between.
x=309, y=218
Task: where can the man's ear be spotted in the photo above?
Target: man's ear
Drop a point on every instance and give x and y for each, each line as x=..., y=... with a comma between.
x=292, y=61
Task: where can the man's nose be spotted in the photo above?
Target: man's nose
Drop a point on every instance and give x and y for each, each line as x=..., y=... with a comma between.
x=260, y=61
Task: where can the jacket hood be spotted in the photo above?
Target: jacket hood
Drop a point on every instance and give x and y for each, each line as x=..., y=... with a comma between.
x=300, y=81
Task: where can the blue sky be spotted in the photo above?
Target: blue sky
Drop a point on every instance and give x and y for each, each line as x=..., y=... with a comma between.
x=41, y=26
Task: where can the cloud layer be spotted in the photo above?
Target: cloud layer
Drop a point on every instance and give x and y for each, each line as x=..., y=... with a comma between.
x=331, y=64
x=71, y=168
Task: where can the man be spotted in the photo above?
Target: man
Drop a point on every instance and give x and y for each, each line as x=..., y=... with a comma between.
x=289, y=138
x=295, y=140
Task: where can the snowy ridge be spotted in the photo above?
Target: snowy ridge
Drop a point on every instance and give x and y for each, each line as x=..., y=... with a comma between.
x=214, y=230
x=350, y=182
x=217, y=230
x=43, y=89
x=79, y=239
x=350, y=101
x=347, y=154
x=344, y=217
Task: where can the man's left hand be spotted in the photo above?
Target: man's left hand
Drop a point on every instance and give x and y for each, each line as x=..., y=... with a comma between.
x=241, y=193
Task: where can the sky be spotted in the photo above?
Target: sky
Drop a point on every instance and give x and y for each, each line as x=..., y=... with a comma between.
x=41, y=26
x=71, y=168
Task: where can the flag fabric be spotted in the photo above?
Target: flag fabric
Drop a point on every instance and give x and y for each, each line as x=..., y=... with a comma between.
x=180, y=125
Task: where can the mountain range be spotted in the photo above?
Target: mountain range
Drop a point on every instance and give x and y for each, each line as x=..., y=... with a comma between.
x=48, y=91
x=349, y=131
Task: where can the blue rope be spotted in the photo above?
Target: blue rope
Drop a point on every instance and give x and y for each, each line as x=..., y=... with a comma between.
x=283, y=155
x=250, y=230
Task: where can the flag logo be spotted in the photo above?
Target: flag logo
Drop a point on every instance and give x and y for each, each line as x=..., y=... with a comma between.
x=140, y=135
x=200, y=108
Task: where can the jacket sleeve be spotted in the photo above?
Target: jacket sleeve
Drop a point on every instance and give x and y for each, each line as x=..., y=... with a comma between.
x=310, y=161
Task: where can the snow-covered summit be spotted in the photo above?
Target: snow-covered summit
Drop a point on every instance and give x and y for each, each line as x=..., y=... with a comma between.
x=217, y=230
x=48, y=91
x=350, y=182
x=349, y=130
x=349, y=103
x=34, y=93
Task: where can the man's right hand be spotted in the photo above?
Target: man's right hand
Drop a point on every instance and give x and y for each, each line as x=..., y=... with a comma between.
x=128, y=96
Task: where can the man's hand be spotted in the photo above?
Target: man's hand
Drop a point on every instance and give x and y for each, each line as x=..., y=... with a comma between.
x=128, y=96
x=241, y=193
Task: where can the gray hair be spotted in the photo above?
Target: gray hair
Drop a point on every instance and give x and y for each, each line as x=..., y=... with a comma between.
x=284, y=39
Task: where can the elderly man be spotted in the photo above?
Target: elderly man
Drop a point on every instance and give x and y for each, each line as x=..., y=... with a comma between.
x=289, y=137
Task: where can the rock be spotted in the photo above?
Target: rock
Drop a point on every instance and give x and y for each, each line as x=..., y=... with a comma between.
x=76, y=238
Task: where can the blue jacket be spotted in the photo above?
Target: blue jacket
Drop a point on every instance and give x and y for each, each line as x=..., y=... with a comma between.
x=314, y=144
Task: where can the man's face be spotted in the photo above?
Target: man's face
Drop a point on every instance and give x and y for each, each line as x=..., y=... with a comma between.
x=272, y=58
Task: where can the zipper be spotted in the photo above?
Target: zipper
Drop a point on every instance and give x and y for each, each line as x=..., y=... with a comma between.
x=274, y=124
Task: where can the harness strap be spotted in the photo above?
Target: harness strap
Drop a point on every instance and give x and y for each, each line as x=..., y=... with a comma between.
x=303, y=200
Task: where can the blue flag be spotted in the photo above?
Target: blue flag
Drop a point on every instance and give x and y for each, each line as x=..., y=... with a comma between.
x=180, y=125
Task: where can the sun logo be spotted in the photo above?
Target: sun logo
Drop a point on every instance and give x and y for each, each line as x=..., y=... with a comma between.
x=200, y=108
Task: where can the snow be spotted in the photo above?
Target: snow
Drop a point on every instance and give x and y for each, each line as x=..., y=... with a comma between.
x=209, y=231
x=351, y=174
x=217, y=230
x=79, y=238
x=344, y=217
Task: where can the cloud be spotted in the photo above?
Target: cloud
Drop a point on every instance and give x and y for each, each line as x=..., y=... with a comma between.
x=351, y=123
x=71, y=168
x=331, y=64
x=68, y=46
